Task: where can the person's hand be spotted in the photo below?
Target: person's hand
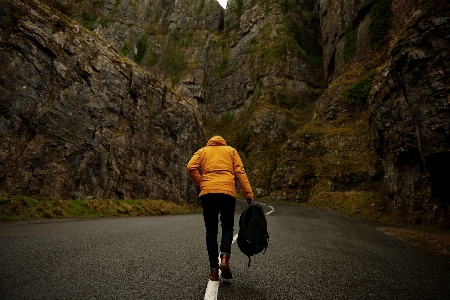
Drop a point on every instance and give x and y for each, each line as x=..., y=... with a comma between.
x=249, y=201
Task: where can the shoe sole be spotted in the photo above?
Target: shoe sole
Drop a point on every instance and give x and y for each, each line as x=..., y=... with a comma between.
x=226, y=273
x=226, y=280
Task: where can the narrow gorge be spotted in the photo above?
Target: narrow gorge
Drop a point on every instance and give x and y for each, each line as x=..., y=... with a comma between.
x=323, y=99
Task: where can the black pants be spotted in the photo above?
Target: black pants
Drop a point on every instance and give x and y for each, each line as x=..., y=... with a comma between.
x=213, y=204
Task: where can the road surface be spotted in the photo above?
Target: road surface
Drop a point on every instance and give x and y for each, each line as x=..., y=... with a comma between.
x=312, y=254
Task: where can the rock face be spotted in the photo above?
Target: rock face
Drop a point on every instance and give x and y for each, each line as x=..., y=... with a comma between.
x=337, y=20
x=273, y=76
x=286, y=82
x=79, y=120
x=406, y=119
x=410, y=119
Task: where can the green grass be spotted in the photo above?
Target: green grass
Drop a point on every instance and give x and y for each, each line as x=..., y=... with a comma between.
x=28, y=208
x=363, y=205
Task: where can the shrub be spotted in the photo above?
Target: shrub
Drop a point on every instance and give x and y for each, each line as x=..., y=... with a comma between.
x=222, y=68
x=294, y=30
x=105, y=22
x=380, y=21
x=243, y=138
x=151, y=59
x=141, y=46
x=227, y=117
x=358, y=92
x=240, y=6
x=88, y=20
x=173, y=61
x=351, y=37
x=125, y=49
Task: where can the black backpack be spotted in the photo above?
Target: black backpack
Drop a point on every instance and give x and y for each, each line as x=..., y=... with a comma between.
x=253, y=236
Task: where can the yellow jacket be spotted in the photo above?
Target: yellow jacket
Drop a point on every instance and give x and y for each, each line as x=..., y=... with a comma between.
x=219, y=165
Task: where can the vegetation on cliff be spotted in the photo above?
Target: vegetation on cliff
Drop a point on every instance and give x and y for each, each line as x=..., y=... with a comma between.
x=380, y=21
x=351, y=37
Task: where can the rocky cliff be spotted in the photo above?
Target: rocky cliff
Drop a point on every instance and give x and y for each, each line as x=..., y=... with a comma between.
x=321, y=97
x=410, y=118
x=398, y=51
x=78, y=120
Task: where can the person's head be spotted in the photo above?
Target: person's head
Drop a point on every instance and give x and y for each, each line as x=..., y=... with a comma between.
x=216, y=140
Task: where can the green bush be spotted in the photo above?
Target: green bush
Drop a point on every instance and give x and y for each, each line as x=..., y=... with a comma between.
x=295, y=32
x=141, y=46
x=222, y=68
x=173, y=62
x=152, y=58
x=240, y=6
x=125, y=49
x=243, y=138
x=358, y=93
x=88, y=20
x=380, y=21
x=104, y=22
x=308, y=5
x=351, y=37
x=227, y=117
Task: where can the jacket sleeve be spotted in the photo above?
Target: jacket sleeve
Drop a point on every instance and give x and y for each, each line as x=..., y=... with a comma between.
x=239, y=172
x=193, y=168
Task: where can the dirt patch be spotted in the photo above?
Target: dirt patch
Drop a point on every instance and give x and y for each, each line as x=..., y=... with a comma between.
x=436, y=242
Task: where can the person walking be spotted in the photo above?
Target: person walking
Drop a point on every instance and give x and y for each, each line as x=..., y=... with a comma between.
x=214, y=169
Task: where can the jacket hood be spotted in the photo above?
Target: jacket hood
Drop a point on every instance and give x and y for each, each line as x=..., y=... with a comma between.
x=216, y=140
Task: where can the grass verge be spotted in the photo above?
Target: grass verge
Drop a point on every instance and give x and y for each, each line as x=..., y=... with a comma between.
x=361, y=205
x=27, y=208
x=368, y=206
x=432, y=241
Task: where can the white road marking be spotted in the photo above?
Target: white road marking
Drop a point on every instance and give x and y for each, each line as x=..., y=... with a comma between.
x=268, y=206
x=212, y=288
x=234, y=238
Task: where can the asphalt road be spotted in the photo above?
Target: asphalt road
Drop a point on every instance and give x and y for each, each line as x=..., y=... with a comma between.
x=312, y=254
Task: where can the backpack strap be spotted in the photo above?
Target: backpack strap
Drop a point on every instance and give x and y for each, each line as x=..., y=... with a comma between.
x=249, y=259
x=242, y=224
x=267, y=244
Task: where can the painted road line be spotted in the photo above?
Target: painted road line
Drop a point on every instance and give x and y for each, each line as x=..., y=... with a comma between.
x=212, y=289
x=268, y=206
x=234, y=238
